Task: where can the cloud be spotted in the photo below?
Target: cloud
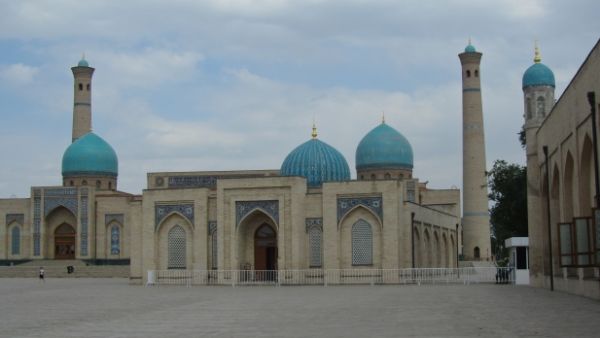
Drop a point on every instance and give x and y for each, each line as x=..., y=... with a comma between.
x=18, y=74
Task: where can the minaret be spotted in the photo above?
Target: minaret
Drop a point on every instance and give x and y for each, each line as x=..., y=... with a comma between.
x=538, y=97
x=476, y=217
x=82, y=105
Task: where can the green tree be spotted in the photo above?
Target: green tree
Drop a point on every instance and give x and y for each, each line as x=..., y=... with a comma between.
x=508, y=192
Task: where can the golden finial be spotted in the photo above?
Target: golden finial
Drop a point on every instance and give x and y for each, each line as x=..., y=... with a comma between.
x=538, y=57
x=314, y=129
x=382, y=117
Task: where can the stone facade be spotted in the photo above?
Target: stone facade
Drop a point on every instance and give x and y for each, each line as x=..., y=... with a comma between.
x=567, y=186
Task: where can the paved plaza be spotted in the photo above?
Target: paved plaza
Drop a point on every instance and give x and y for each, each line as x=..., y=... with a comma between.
x=112, y=308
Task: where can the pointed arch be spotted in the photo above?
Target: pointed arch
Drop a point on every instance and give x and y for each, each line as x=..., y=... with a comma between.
x=15, y=239
x=437, y=252
x=417, y=249
x=445, y=253
x=426, y=249
x=357, y=208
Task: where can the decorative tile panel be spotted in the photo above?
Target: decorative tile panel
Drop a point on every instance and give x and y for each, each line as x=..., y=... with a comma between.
x=193, y=181
x=212, y=227
x=243, y=208
x=83, y=219
x=115, y=240
x=345, y=204
x=162, y=210
x=66, y=197
x=37, y=201
x=314, y=223
x=19, y=218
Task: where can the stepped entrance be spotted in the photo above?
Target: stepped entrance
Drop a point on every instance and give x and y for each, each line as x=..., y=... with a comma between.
x=64, y=242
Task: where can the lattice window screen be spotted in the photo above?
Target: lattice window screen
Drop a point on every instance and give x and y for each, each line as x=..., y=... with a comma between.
x=214, y=250
x=362, y=243
x=115, y=240
x=315, y=240
x=15, y=241
x=176, y=244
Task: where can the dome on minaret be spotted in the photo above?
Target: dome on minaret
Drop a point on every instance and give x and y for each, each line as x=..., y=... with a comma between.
x=83, y=62
x=384, y=147
x=317, y=161
x=90, y=155
x=538, y=74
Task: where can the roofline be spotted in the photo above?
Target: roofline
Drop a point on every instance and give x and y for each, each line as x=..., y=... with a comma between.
x=569, y=85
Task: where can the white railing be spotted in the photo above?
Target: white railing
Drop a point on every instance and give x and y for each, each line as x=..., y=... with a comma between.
x=332, y=276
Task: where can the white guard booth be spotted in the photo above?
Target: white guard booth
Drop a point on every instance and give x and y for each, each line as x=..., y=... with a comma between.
x=519, y=258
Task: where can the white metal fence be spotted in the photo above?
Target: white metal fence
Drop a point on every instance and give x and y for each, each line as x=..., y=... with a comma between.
x=332, y=276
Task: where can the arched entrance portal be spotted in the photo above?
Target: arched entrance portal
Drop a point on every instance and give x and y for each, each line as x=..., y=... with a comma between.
x=265, y=248
x=64, y=242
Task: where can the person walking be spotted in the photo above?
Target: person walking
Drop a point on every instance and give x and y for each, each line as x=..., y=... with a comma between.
x=42, y=274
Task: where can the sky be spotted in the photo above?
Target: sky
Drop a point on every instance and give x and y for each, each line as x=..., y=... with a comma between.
x=187, y=85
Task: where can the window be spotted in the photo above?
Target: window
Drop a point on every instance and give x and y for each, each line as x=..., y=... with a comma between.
x=71, y=183
x=372, y=176
x=115, y=240
x=81, y=86
x=476, y=253
x=388, y=176
x=98, y=184
x=476, y=73
x=468, y=73
x=582, y=240
x=566, y=244
x=362, y=177
x=528, y=108
x=315, y=240
x=362, y=243
x=540, y=110
x=84, y=182
x=87, y=87
x=109, y=185
x=15, y=241
x=176, y=248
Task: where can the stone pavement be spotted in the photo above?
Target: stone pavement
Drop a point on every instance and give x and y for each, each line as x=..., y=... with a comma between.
x=112, y=308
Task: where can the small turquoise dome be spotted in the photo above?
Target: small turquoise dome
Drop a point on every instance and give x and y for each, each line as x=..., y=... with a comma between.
x=90, y=155
x=384, y=147
x=538, y=75
x=317, y=161
x=83, y=63
x=470, y=49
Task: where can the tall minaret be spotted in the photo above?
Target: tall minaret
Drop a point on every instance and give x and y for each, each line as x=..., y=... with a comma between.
x=538, y=97
x=82, y=105
x=476, y=217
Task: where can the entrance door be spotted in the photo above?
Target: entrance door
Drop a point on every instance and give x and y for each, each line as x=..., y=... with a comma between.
x=265, y=252
x=64, y=242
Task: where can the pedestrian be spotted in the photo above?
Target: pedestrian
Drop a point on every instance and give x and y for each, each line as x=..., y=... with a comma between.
x=42, y=274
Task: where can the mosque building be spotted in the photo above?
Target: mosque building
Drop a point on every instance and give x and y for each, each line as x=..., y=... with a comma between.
x=309, y=214
x=562, y=179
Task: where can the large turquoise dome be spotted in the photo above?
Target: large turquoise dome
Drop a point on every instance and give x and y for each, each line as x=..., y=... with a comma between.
x=384, y=147
x=538, y=75
x=317, y=161
x=90, y=155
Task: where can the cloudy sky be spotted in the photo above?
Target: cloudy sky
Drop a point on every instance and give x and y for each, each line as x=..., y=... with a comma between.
x=188, y=85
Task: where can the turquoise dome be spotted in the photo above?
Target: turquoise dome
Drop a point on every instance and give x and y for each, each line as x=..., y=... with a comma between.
x=538, y=75
x=470, y=49
x=83, y=63
x=90, y=155
x=384, y=147
x=318, y=162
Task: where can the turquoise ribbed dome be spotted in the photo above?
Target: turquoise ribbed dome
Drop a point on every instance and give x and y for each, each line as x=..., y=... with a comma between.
x=384, y=147
x=538, y=75
x=90, y=155
x=83, y=63
x=318, y=162
x=470, y=49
